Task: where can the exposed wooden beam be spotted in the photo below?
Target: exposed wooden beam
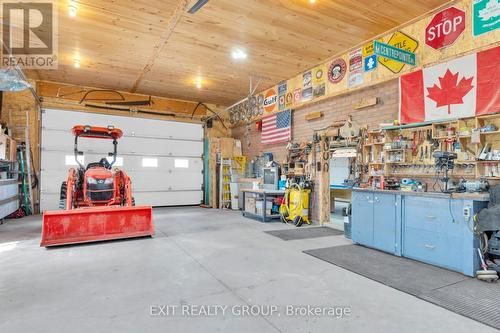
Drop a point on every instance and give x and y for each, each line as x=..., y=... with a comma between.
x=172, y=23
x=71, y=96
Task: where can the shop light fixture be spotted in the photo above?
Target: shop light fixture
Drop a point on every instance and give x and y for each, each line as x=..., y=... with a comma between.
x=72, y=8
x=239, y=54
x=198, y=82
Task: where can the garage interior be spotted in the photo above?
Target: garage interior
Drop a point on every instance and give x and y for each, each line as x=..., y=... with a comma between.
x=272, y=166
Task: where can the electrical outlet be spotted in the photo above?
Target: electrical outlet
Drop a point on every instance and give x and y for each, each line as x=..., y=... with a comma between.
x=467, y=213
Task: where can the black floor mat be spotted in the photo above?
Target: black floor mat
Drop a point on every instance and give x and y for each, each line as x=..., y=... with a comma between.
x=453, y=291
x=304, y=233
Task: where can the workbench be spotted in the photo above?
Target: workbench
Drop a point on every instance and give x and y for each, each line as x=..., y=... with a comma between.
x=340, y=193
x=435, y=228
x=260, y=195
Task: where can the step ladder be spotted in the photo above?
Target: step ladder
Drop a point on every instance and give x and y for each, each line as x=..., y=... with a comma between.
x=26, y=200
x=225, y=183
x=25, y=175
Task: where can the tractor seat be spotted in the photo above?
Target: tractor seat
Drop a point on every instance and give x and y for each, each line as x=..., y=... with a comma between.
x=103, y=163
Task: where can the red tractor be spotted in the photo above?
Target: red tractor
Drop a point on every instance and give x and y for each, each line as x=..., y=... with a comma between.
x=97, y=200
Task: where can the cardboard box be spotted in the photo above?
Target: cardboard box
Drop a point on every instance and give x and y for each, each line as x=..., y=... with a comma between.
x=250, y=205
x=259, y=205
x=8, y=148
x=4, y=153
x=230, y=147
x=237, y=150
x=226, y=147
x=12, y=150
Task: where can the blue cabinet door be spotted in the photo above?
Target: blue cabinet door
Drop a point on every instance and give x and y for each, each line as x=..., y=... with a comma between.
x=362, y=218
x=384, y=222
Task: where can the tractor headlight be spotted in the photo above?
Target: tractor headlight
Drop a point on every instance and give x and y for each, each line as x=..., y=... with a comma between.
x=92, y=181
x=109, y=181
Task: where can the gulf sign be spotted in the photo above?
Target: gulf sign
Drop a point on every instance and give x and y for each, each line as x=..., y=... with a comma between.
x=270, y=100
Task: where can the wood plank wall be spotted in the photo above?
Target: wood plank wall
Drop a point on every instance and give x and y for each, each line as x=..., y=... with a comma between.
x=334, y=109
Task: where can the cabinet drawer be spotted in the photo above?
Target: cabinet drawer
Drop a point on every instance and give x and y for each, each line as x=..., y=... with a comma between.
x=434, y=214
x=425, y=213
x=433, y=248
x=422, y=245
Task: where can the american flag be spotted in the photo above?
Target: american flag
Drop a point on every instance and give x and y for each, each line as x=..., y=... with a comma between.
x=277, y=127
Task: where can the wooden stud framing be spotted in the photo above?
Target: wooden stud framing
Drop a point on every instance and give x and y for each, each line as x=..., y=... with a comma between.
x=324, y=181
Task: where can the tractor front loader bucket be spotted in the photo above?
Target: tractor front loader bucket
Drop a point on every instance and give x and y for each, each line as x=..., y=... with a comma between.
x=94, y=224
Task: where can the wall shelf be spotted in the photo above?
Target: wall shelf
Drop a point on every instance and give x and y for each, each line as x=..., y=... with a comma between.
x=425, y=140
x=490, y=133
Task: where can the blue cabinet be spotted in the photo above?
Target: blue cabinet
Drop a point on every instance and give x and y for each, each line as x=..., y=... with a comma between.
x=374, y=221
x=433, y=228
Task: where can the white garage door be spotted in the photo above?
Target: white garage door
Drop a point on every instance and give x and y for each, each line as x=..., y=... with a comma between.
x=163, y=158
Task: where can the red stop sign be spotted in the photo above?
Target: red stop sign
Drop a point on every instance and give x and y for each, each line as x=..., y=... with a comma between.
x=445, y=27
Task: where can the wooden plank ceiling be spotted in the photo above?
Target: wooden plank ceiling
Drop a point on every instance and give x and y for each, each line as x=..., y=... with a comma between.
x=156, y=47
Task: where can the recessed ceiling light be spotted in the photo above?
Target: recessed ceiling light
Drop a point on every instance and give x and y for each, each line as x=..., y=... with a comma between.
x=72, y=8
x=312, y=1
x=198, y=82
x=239, y=54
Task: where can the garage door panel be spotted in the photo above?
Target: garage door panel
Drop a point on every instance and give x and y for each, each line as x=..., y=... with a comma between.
x=173, y=198
x=175, y=178
x=161, y=147
x=141, y=181
x=64, y=141
x=179, y=181
x=49, y=201
x=56, y=160
x=65, y=120
x=54, y=185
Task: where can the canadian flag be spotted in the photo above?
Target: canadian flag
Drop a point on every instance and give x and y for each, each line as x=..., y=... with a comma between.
x=464, y=87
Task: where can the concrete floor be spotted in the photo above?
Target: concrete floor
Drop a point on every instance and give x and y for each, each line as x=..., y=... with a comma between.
x=198, y=257
x=337, y=216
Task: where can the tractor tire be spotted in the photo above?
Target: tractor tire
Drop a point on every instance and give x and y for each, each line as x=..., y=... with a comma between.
x=63, y=195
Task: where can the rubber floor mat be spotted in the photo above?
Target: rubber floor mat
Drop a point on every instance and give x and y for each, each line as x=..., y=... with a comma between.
x=304, y=233
x=450, y=290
